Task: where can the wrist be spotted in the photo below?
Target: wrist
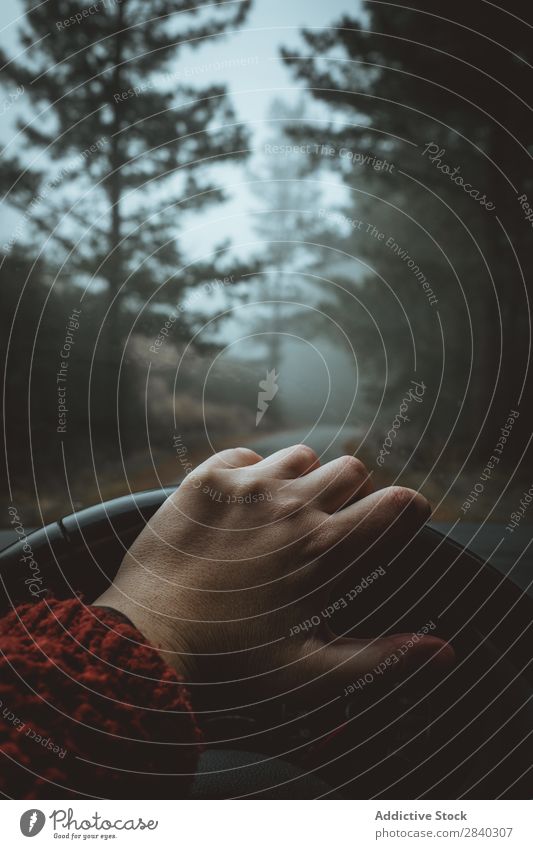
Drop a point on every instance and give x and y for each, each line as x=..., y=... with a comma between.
x=154, y=630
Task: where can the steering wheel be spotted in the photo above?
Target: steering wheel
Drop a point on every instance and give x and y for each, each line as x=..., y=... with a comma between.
x=466, y=736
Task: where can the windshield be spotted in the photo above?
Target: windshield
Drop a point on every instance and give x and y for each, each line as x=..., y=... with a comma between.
x=262, y=223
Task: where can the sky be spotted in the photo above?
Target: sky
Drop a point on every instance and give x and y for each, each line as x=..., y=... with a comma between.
x=252, y=85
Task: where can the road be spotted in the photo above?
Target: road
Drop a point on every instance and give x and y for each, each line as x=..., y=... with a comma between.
x=508, y=552
x=324, y=439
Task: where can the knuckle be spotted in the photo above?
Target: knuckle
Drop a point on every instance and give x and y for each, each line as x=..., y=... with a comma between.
x=401, y=500
x=203, y=478
x=190, y=484
x=288, y=506
x=352, y=466
x=235, y=457
x=242, y=484
x=320, y=538
x=304, y=453
x=247, y=453
x=256, y=478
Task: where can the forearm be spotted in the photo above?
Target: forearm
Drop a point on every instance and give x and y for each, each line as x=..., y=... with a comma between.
x=88, y=708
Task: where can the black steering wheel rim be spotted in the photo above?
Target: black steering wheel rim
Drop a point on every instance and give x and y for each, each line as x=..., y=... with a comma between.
x=80, y=554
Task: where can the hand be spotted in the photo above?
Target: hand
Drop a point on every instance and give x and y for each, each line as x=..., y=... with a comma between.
x=245, y=550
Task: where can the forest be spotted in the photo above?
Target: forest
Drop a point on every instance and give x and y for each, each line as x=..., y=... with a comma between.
x=375, y=236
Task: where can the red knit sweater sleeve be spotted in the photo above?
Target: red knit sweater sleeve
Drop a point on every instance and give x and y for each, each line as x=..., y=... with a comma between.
x=87, y=709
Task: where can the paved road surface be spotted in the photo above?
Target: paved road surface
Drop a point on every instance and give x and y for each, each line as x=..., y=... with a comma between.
x=324, y=439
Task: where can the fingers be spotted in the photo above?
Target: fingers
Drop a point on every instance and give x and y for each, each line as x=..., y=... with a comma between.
x=292, y=462
x=336, y=484
x=394, y=512
x=287, y=463
x=346, y=667
x=231, y=458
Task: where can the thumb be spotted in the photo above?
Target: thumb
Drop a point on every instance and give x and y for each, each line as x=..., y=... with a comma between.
x=354, y=664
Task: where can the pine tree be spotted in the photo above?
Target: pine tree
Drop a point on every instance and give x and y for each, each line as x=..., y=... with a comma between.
x=455, y=75
x=119, y=145
x=285, y=220
x=116, y=128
